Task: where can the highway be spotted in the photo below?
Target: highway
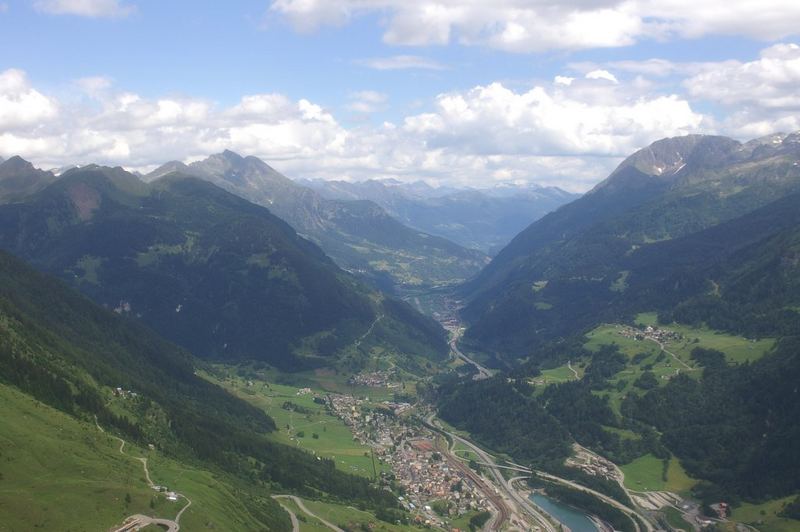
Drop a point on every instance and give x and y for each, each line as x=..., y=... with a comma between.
x=483, y=373
x=504, y=487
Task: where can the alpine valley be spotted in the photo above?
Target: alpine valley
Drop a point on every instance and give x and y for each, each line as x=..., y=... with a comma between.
x=213, y=346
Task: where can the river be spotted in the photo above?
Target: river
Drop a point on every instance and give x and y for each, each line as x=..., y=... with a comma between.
x=567, y=515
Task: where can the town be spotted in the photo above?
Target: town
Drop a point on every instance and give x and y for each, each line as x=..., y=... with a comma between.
x=433, y=482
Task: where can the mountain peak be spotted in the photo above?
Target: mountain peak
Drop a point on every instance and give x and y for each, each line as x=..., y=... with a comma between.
x=15, y=164
x=230, y=155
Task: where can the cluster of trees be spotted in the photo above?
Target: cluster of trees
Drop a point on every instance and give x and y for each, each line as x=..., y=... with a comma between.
x=736, y=426
x=504, y=411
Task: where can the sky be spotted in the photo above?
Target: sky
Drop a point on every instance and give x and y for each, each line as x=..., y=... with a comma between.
x=462, y=92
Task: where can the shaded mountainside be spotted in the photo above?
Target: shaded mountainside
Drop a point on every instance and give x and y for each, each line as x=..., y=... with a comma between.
x=19, y=179
x=480, y=219
x=359, y=235
x=212, y=272
x=65, y=351
x=619, y=248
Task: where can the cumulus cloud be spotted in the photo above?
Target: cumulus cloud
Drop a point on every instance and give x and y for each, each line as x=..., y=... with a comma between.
x=85, y=8
x=569, y=132
x=770, y=81
x=401, y=62
x=532, y=26
x=569, y=135
x=20, y=104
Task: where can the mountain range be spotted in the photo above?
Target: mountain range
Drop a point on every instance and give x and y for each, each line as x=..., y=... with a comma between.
x=216, y=274
x=358, y=235
x=484, y=219
x=678, y=224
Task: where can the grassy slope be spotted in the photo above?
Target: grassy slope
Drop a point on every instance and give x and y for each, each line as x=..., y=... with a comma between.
x=59, y=473
x=645, y=474
x=737, y=349
x=335, y=439
x=769, y=521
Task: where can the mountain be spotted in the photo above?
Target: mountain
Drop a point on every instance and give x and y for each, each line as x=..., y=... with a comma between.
x=19, y=179
x=359, y=235
x=208, y=270
x=68, y=366
x=485, y=219
x=749, y=451
x=615, y=249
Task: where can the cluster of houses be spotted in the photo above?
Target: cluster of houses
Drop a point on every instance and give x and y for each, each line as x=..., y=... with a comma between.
x=375, y=379
x=661, y=336
x=125, y=394
x=170, y=495
x=424, y=474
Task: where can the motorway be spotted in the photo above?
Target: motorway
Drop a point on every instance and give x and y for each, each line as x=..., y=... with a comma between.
x=483, y=373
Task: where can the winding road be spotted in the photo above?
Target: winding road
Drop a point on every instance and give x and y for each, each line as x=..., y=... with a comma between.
x=299, y=502
x=137, y=521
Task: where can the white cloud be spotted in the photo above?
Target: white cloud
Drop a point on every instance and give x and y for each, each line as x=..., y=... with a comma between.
x=85, y=8
x=366, y=102
x=570, y=132
x=602, y=74
x=20, y=104
x=770, y=81
x=532, y=26
x=402, y=62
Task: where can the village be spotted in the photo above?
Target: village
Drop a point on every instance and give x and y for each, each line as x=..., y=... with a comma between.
x=660, y=336
x=433, y=483
x=375, y=379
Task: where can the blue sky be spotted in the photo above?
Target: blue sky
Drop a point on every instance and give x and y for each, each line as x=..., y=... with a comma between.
x=471, y=96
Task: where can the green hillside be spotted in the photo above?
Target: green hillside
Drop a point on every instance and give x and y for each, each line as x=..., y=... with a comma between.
x=87, y=363
x=210, y=271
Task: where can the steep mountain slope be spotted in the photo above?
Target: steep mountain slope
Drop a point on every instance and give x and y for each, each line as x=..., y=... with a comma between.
x=359, y=235
x=480, y=219
x=65, y=351
x=19, y=179
x=576, y=265
x=216, y=274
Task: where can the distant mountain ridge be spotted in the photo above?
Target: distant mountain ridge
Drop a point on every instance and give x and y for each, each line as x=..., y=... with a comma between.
x=585, y=261
x=19, y=179
x=484, y=219
x=359, y=235
x=209, y=270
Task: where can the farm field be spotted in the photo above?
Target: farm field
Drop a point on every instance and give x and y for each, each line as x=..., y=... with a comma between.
x=646, y=474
